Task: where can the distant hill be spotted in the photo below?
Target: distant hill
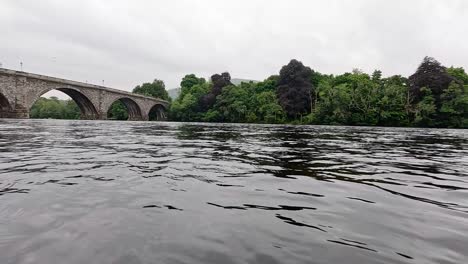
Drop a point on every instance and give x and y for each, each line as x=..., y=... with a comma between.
x=237, y=81
x=174, y=92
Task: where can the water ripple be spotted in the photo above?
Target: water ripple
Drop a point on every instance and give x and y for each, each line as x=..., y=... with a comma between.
x=136, y=192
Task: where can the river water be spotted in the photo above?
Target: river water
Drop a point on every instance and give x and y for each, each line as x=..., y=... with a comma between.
x=148, y=192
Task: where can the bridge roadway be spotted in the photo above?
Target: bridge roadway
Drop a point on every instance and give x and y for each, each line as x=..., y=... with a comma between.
x=20, y=90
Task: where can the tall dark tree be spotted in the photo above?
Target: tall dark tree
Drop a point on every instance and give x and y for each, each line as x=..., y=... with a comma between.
x=219, y=82
x=295, y=88
x=432, y=75
x=377, y=76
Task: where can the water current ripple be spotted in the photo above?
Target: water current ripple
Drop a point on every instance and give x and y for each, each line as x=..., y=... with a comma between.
x=136, y=192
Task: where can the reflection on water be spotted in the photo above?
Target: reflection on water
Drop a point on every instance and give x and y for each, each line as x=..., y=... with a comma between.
x=135, y=192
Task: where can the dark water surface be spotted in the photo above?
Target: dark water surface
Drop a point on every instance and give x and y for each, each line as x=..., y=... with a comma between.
x=135, y=192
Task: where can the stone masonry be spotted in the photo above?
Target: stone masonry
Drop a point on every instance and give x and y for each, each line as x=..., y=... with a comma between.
x=20, y=90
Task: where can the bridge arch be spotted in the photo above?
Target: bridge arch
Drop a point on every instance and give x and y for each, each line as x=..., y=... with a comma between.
x=157, y=113
x=21, y=90
x=5, y=106
x=133, y=109
x=86, y=106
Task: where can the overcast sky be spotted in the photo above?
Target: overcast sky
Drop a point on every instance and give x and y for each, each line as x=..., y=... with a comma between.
x=129, y=42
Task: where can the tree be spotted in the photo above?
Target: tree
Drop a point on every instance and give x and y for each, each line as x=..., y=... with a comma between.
x=187, y=107
x=55, y=108
x=269, y=109
x=155, y=89
x=432, y=75
x=294, y=89
x=425, y=109
x=188, y=82
x=395, y=80
x=233, y=103
x=377, y=76
x=268, y=84
x=459, y=74
x=454, y=108
x=71, y=110
x=364, y=95
x=392, y=104
x=438, y=95
x=432, y=97
x=118, y=111
x=219, y=81
x=334, y=104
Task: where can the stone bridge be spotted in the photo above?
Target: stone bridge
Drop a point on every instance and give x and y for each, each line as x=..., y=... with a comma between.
x=20, y=90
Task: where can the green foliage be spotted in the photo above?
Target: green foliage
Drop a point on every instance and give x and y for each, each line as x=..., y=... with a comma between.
x=353, y=98
x=187, y=106
x=188, y=82
x=434, y=96
x=118, y=111
x=155, y=89
x=425, y=109
x=454, y=109
x=333, y=105
x=377, y=76
x=392, y=104
x=55, y=108
x=459, y=74
x=244, y=103
x=268, y=85
x=269, y=109
x=247, y=102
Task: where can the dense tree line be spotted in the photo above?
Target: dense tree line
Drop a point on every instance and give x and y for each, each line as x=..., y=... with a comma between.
x=55, y=108
x=434, y=96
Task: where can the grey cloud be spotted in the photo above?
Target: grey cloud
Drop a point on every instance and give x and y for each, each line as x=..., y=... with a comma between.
x=129, y=42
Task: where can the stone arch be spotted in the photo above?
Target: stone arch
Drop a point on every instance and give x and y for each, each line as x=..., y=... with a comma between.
x=5, y=107
x=87, y=108
x=133, y=109
x=157, y=112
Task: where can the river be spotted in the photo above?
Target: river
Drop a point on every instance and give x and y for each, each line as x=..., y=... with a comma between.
x=149, y=192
